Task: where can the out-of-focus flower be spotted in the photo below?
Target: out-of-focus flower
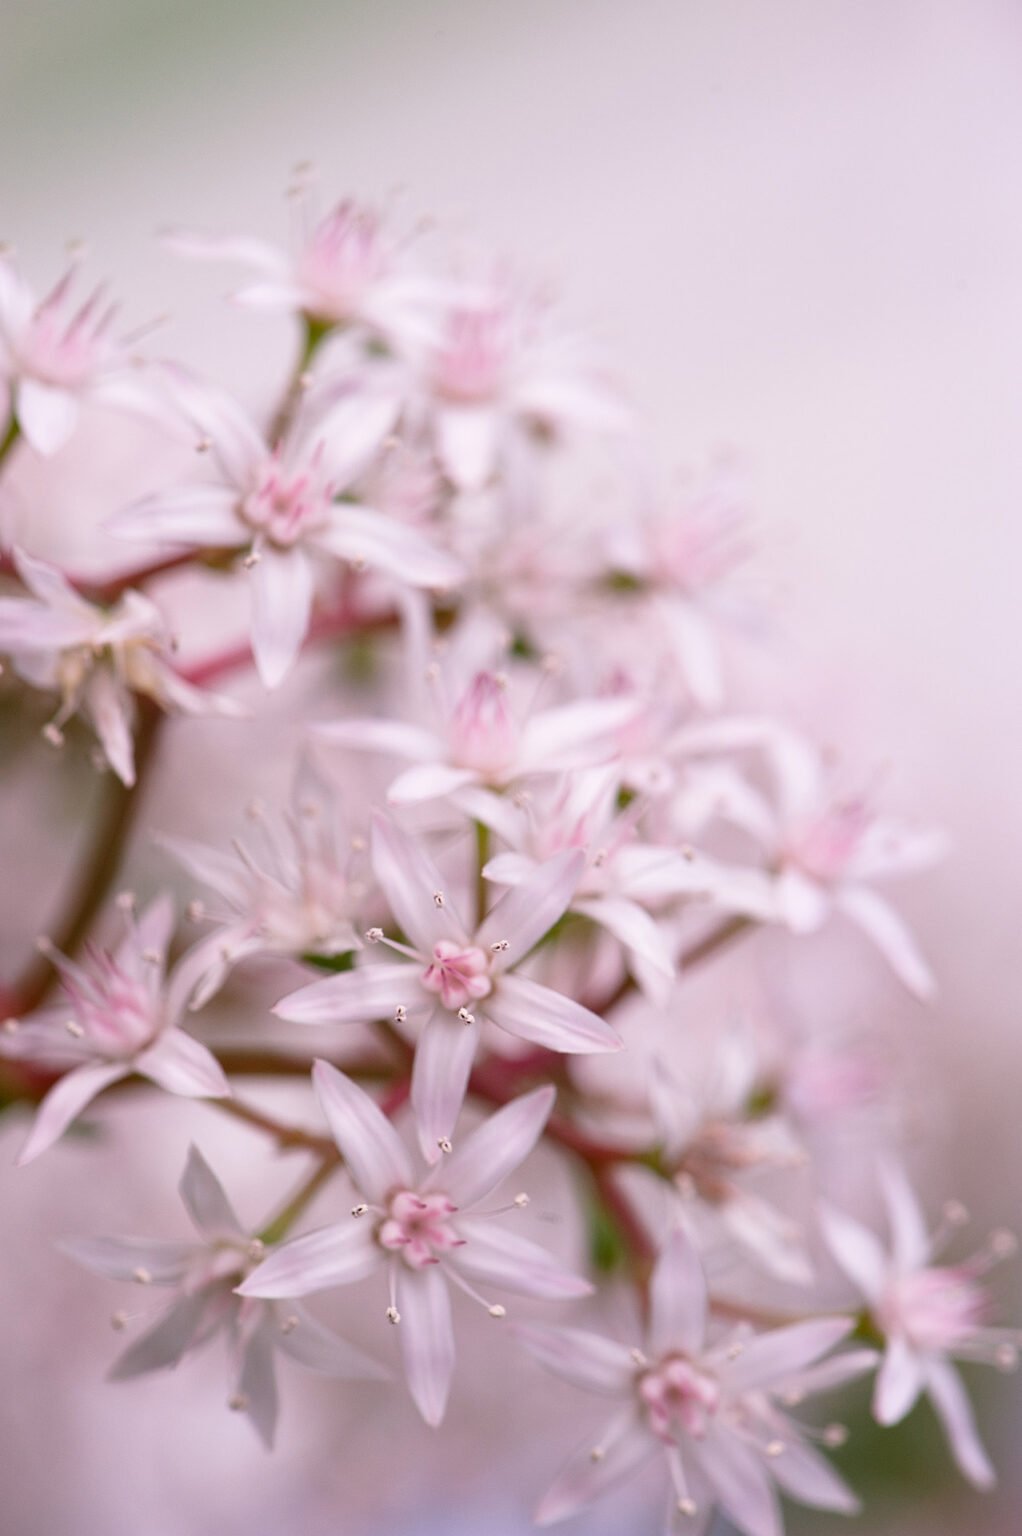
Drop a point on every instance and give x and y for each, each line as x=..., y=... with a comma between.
x=121, y=1017
x=280, y=504
x=710, y=1409
x=425, y=1234
x=451, y=978
x=96, y=658
x=928, y=1313
x=205, y=1275
x=291, y=895
x=55, y=354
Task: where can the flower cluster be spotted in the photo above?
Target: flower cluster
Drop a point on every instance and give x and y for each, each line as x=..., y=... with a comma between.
x=530, y=799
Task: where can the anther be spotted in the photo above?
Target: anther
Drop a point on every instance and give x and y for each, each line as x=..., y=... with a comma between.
x=306, y=380
x=438, y=898
x=500, y=946
x=9, y=1026
x=597, y=1453
x=142, y=1276
x=238, y=1403
x=955, y=1213
x=393, y=1315
x=735, y=1349
x=359, y=1210
x=126, y=901
x=256, y=1249
x=521, y=1201
x=119, y=1321
x=497, y=1310
x=444, y=1144
x=835, y=1435
x=204, y=445
x=688, y=852
x=251, y=559
x=53, y=734
x=374, y=935
x=151, y=956
x=195, y=911
x=638, y=1358
x=45, y=945
x=74, y=1028
x=775, y=1448
x=289, y=1324
x=465, y=1016
x=1006, y=1358
x=687, y=1507
x=400, y=1014
x=1003, y=1243
x=358, y=844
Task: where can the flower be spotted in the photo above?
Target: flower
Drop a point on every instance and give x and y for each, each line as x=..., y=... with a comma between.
x=710, y=1409
x=426, y=1234
x=123, y=1018
x=54, y=356
x=929, y=1314
x=296, y=896
x=96, y=659
x=205, y=1275
x=450, y=978
x=278, y=502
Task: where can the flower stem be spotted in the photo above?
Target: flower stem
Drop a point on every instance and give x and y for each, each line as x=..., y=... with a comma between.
x=284, y=1220
x=315, y=333
x=482, y=859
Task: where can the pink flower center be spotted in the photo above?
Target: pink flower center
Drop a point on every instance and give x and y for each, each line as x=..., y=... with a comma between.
x=62, y=349
x=677, y=1397
x=828, y=846
x=937, y=1308
x=459, y=976
x=115, y=1012
x=284, y=507
x=483, y=735
x=472, y=361
x=342, y=260
x=418, y=1227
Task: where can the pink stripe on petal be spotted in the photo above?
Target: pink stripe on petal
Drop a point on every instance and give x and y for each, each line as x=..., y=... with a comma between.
x=535, y=1013
x=494, y=1256
x=427, y=1338
x=527, y=912
x=337, y=1255
x=443, y=1061
x=496, y=1148
x=354, y=997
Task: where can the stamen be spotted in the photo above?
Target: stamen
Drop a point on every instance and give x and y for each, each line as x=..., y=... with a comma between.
x=835, y=1435
x=500, y=946
x=465, y=1016
x=687, y=1506
x=374, y=935
x=393, y=1315
x=238, y=1403
x=438, y=898
x=1006, y=1358
x=776, y=1448
x=119, y=1321
x=74, y=1028
x=256, y=1250
x=443, y=1142
x=53, y=734
x=10, y=1026
x=597, y=1453
x=289, y=1324
x=400, y=1014
x=359, y=1210
x=142, y=1276
x=195, y=911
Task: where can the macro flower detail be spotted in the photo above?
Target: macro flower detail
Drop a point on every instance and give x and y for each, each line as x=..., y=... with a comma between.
x=711, y=1410
x=121, y=1017
x=928, y=1313
x=449, y=978
x=426, y=1233
x=205, y=1275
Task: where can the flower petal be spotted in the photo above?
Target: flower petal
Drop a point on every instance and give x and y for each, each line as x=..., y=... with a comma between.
x=181, y=1064
x=205, y=1199
x=535, y=1013
x=206, y=515
x=624, y=1446
x=395, y=736
x=574, y=735
x=740, y=1482
x=951, y=1401
x=374, y=1152
x=337, y=1255
x=885, y=927
x=65, y=1100
x=281, y=606
x=257, y=1381
x=443, y=1061
x=857, y=1250
x=587, y=1360
x=467, y=444
x=899, y=1382
x=773, y=1357
x=910, y=1241
x=527, y=912
x=371, y=538
x=163, y=1346
x=108, y=705
x=411, y=881
x=122, y=1258
x=427, y=1338
x=47, y=414
x=494, y=1256
x=495, y=1149
x=677, y=1298
x=808, y=1477
x=428, y=781
x=353, y=997
x=319, y=1349
x=633, y=928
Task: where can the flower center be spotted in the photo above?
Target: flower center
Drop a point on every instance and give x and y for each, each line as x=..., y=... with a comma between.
x=115, y=1012
x=936, y=1308
x=418, y=1227
x=678, y=1398
x=473, y=358
x=825, y=850
x=458, y=976
x=344, y=256
x=482, y=730
x=284, y=507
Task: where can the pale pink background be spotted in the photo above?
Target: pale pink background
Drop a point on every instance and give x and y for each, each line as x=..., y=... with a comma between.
x=799, y=224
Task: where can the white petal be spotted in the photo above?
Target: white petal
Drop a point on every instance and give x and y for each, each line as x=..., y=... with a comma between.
x=509, y=868
x=337, y=1255
x=951, y=1401
x=535, y=1013
x=740, y=1481
x=834, y=1372
x=46, y=414
x=52, y=587
x=353, y=997
x=205, y=1199
x=181, y=1064
x=236, y=444
x=805, y=1475
x=801, y=903
x=206, y=515
x=885, y=927
x=527, y=912
x=495, y=1148
x=281, y=606
x=381, y=736
x=427, y=1338
x=574, y=735
x=633, y=927
x=492, y=1255
x=245, y=249
x=443, y=1061
x=383, y=543
x=587, y=1360
x=65, y=1100
x=353, y=430
x=625, y=1446
x=257, y=1382
x=221, y=872
x=368, y=1142
x=467, y=443
x=899, y=1382
x=773, y=1238
x=910, y=1241
x=773, y=1357
x=428, y=781
x=857, y=1250
x=695, y=647
x=410, y=881
x=109, y=705
x=163, y=1346
x=121, y=1258
x=318, y=1349
x=677, y=1298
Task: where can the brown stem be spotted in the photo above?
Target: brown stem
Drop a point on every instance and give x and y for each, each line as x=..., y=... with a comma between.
x=287, y=1137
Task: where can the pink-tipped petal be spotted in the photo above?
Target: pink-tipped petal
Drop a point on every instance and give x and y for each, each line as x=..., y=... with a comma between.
x=677, y=1298
x=353, y=997
x=181, y=1064
x=281, y=607
x=493, y=1255
x=547, y=1018
x=527, y=912
x=496, y=1148
x=951, y=1401
x=427, y=1338
x=374, y=1152
x=443, y=1061
x=587, y=1360
x=65, y=1101
x=337, y=1255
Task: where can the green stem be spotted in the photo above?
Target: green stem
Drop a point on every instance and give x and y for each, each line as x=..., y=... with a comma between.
x=11, y=436
x=285, y=1219
x=482, y=859
x=315, y=333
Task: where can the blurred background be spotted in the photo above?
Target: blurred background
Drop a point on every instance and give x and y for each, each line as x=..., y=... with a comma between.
x=799, y=228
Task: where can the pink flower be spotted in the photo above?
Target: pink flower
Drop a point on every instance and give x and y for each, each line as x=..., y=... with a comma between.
x=426, y=1233
x=96, y=659
x=449, y=978
x=55, y=353
x=710, y=1409
x=121, y=1017
x=279, y=504
x=929, y=1314
x=292, y=895
x=205, y=1274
